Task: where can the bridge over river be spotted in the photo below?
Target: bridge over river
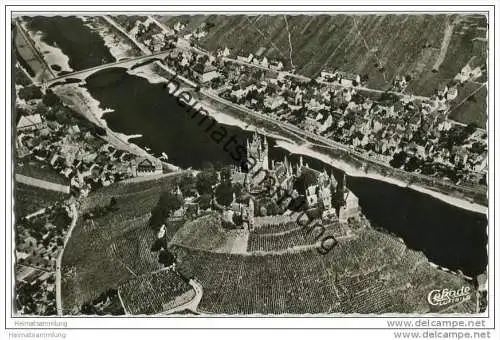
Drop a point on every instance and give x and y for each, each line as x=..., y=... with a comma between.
x=129, y=63
x=50, y=78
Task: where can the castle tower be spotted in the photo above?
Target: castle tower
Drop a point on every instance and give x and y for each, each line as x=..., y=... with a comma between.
x=290, y=169
x=349, y=205
x=324, y=178
x=258, y=151
x=333, y=181
x=325, y=198
x=324, y=191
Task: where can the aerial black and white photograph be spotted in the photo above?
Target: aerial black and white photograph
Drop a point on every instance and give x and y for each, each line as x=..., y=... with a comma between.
x=254, y=163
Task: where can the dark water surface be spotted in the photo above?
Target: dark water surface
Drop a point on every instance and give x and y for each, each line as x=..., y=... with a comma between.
x=84, y=47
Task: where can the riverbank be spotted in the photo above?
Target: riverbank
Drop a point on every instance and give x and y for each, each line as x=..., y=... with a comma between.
x=79, y=99
x=149, y=72
x=53, y=56
x=116, y=44
x=352, y=171
x=359, y=168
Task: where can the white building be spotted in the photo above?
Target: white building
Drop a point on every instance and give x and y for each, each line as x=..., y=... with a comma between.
x=264, y=62
x=276, y=66
x=348, y=79
x=327, y=75
x=30, y=123
x=179, y=27
x=146, y=167
x=452, y=93
x=225, y=52
x=273, y=102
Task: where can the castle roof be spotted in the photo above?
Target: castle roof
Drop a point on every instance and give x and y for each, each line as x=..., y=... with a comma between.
x=311, y=176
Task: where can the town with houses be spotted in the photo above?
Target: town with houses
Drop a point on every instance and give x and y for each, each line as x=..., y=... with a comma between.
x=87, y=174
x=393, y=127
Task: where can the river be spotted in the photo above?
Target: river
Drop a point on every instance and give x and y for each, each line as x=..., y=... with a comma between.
x=449, y=236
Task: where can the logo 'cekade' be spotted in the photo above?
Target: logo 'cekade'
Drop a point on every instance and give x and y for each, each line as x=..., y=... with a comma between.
x=443, y=297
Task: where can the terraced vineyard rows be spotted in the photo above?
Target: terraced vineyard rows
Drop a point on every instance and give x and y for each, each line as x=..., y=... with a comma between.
x=369, y=273
x=107, y=251
x=155, y=293
x=132, y=247
x=297, y=237
x=283, y=236
x=258, y=284
x=276, y=228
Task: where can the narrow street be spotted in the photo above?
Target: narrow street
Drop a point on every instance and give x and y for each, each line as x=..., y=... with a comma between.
x=74, y=216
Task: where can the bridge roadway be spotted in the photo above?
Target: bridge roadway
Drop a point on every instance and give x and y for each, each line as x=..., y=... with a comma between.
x=121, y=63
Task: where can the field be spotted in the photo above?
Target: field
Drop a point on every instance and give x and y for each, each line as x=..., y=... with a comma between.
x=371, y=273
x=470, y=106
x=28, y=199
x=128, y=21
x=35, y=169
x=401, y=44
x=155, y=293
x=107, y=251
x=20, y=76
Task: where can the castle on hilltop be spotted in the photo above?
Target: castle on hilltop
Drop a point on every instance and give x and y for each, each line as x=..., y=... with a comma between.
x=319, y=188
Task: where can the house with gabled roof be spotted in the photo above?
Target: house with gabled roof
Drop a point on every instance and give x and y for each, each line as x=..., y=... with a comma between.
x=30, y=123
x=204, y=72
x=146, y=167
